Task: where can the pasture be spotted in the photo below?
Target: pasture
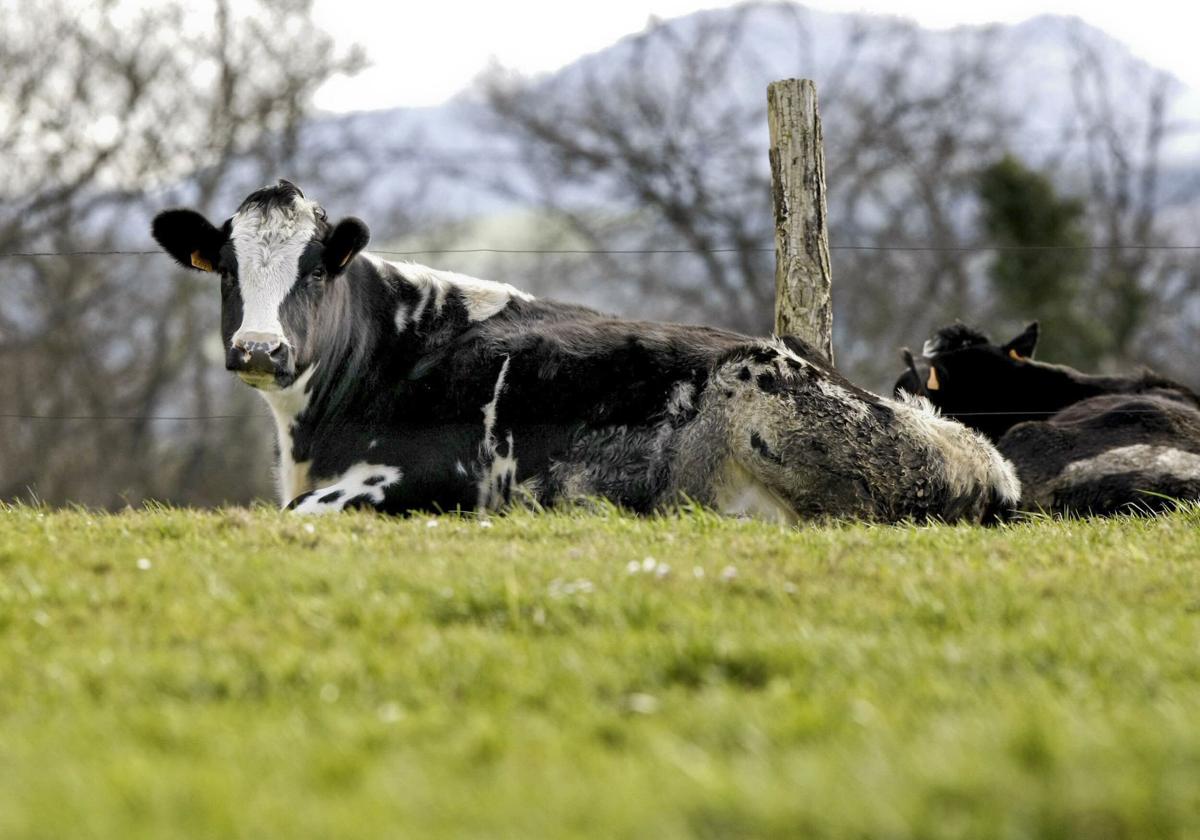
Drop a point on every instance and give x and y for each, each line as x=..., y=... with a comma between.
x=247, y=674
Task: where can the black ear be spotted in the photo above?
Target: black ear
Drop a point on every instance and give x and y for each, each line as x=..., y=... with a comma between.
x=1022, y=346
x=348, y=238
x=189, y=237
x=910, y=380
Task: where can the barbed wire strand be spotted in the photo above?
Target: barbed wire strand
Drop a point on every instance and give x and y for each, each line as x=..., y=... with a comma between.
x=636, y=251
x=581, y=251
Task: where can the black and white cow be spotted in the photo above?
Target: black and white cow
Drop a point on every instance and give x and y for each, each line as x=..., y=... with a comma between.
x=1082, y=444
x=399, y=387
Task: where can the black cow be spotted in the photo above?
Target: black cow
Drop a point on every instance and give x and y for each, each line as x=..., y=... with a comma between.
x=399, y=387
x=1082, y=444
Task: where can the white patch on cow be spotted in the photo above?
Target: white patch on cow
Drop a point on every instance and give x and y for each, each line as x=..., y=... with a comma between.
x=419, y=309
x=362, y=479
x=777, y=344
x=680, y=400
x=286, y=404
x=461, y=469
x=482, y=298
x=1142, y=457
x=501, y=472
x=269, y=244
x=738, y=493
x=497, y=469
x=489, y=409
x=440, y=290
x=967, y=457
x=853, y=404
x=401, y=318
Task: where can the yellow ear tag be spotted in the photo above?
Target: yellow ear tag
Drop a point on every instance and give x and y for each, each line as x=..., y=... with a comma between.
x=932, y=384
x=200, y=263
x=1013, y=354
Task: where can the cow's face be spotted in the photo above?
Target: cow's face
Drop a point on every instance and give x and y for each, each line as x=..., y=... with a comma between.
x=278, y=260
x=968, y=377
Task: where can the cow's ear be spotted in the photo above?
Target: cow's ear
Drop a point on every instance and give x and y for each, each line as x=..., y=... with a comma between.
x=348, y=238
x=189, y=237
x=1022, y=346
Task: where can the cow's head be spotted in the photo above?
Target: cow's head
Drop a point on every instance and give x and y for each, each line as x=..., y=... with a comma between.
x=278, y=259
x=968, y=377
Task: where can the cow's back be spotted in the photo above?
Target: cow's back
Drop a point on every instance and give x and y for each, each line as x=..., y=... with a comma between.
x=1110, y=454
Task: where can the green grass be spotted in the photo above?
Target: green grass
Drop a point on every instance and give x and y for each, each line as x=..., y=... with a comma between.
x=246, y=674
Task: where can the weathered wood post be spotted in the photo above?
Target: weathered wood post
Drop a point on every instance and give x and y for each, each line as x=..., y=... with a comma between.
x=803, y=276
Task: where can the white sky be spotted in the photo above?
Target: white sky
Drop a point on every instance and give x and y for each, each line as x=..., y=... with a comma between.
x=424, y=52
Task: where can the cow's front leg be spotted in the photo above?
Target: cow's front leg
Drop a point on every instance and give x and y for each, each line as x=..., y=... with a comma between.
x=363, y=485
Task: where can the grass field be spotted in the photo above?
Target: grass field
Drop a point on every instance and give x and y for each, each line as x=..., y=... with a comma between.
x=245, y=674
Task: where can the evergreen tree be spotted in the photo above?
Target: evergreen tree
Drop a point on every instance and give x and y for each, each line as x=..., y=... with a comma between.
x=1042, y=260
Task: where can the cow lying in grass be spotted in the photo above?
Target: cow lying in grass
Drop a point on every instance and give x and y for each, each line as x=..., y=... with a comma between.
x=1081, y=444
x=399, y=387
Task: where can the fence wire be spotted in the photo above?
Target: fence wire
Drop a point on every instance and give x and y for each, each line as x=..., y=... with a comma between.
x=958, y=249
x=582, y=251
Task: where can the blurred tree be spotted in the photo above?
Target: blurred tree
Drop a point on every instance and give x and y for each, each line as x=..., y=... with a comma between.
x=1041, y=261
x=661, y=145
x=109, y=111
x=671, y=142
x=1117, y=131
x=666, y=155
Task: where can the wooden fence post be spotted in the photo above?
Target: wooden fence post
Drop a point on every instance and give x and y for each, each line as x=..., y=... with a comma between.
x=803, y=276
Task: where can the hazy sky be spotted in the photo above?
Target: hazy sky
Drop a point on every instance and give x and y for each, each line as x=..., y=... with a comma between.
x=424, y=52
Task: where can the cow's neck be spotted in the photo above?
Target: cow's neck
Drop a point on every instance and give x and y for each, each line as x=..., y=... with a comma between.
x=1056, y=387
x=387, y=319
x=286, y=405
x=1060, y=386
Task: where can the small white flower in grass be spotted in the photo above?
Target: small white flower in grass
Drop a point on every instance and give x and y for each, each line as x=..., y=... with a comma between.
x=144, y=563
x=560, y=588
x=729, y=573
x=330, y=693
x=633, y=567
x=432, y=523
x=309, y=528
x=662, y=570
x=648, y=564
x=642, y=704
x=485, y=523
x=697, y=572
x=789, y=587
x=390, y=712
